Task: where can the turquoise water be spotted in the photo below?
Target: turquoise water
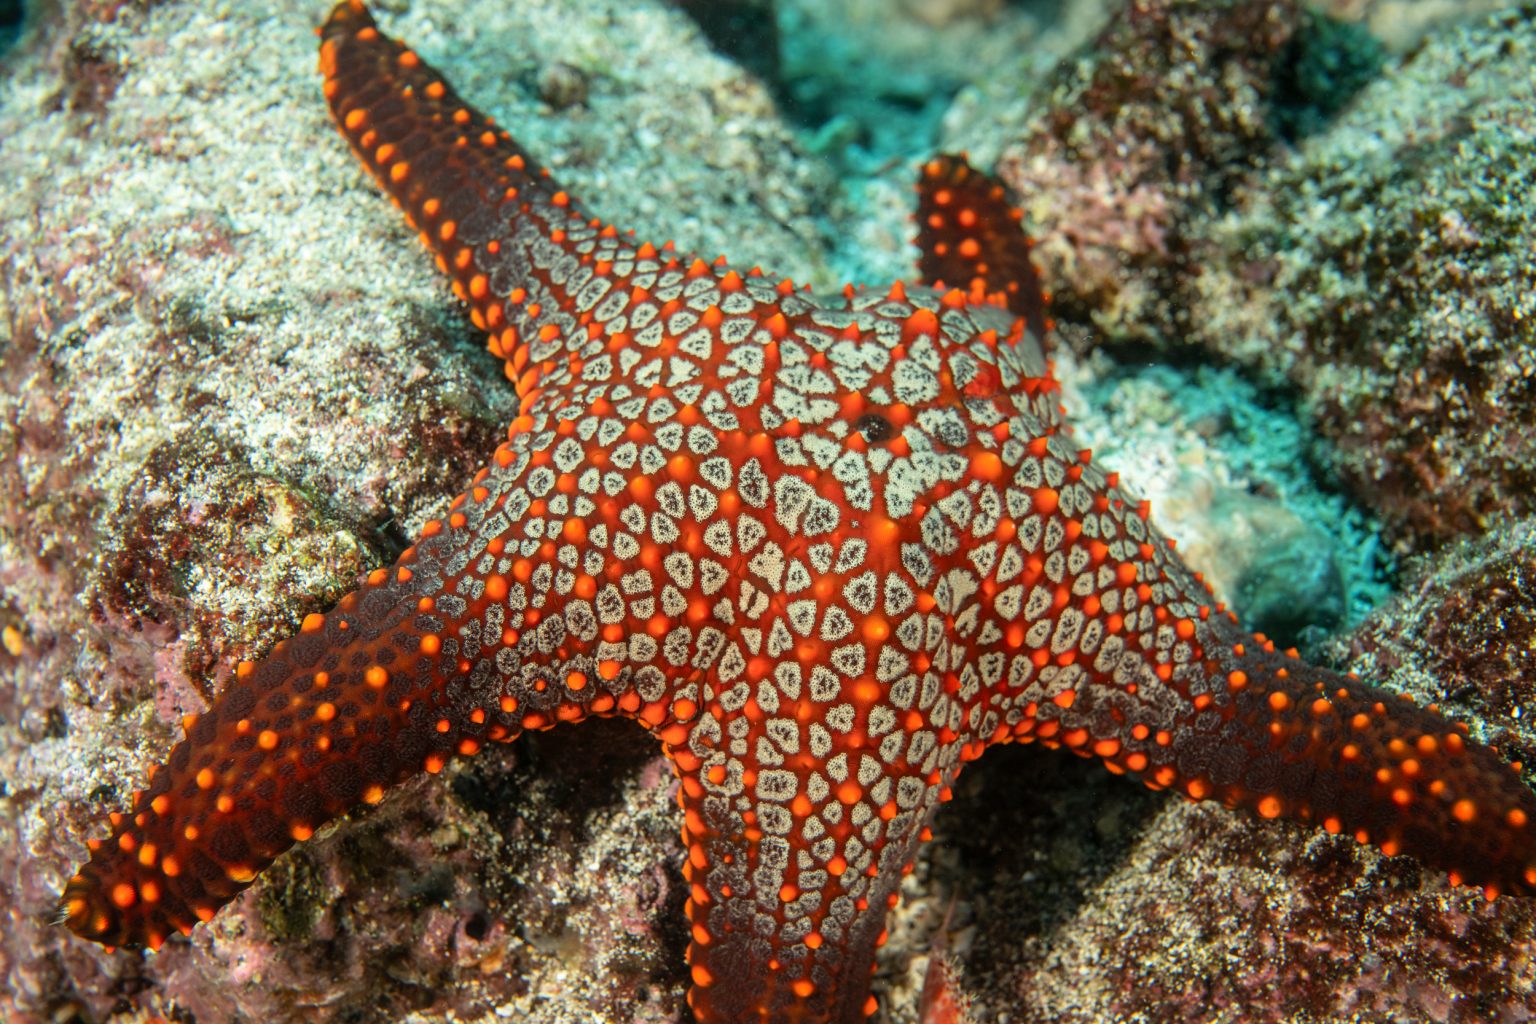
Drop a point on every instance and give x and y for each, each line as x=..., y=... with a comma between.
x=11, y=12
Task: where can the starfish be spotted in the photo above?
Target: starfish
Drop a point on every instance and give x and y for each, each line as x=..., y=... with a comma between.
x=825, y=550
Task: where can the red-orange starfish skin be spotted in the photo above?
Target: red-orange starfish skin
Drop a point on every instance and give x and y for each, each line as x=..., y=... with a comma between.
x=825, y=552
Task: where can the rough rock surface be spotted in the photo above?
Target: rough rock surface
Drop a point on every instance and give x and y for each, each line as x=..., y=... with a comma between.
x=1196, y=183
x=1129, y=140
x=1387, y=270
x=230, y=382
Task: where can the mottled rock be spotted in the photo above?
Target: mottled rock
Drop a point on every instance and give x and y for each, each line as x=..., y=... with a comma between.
x=1382, y=265
x=1464, y=635
x=197, y=539
x=1143, y=132
x=1386, y=271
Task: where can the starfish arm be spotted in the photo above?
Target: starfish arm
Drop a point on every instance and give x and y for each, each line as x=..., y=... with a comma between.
x=330, y=718
x=533, y=603
x=1116, y=651
x=498, y=223
x=561, y=295
x=1303, y=742
x=801, y=820
x=968, y=237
